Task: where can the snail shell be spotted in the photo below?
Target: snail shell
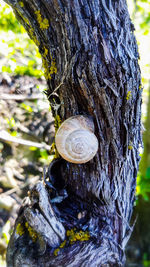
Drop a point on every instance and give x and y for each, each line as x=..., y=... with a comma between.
x=75, y=139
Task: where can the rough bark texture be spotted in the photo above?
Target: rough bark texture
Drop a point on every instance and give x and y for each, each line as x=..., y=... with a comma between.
x=91, y=64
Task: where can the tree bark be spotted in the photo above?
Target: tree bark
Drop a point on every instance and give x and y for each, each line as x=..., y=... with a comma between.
x=90, y=58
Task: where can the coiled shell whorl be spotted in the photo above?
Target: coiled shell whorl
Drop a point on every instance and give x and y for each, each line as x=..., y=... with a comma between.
x=75, y=139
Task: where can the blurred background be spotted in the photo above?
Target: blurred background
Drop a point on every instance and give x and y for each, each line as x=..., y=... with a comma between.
x=27, y=127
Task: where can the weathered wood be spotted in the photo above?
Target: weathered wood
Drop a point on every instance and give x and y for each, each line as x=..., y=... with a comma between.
x=90, y=58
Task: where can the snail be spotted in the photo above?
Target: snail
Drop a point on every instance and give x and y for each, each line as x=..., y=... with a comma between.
x=75, y=139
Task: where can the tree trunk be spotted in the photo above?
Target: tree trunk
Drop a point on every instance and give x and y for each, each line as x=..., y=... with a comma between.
x=90, y=61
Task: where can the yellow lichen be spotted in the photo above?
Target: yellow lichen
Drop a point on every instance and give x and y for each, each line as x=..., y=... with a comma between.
x=53, y=68
x=45, y=52
x=128, y=95
x=56, y=251
x=21, y=3
x=20, y=229
x=57, y=122
x=75, y=235
x=130, y=146
x=44, y=24
x=49, y=69
x=33, y=37
x=25, y=19
x=49, y=64
x=31, y=232
x=54, y=150
x=140, y=87
x=63, y=244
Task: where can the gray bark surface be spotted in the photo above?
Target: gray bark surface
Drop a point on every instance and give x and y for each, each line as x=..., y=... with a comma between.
x=92, y=45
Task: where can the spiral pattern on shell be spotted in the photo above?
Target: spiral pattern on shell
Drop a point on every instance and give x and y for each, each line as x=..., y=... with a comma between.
x=75, y=140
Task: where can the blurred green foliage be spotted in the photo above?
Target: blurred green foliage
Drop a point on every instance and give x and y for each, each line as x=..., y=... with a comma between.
x=21, y=54
x=26, y=107
x=146, y=262
x=140, y=14
x=143, y=186
x=8, y=20
x=143, y=7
